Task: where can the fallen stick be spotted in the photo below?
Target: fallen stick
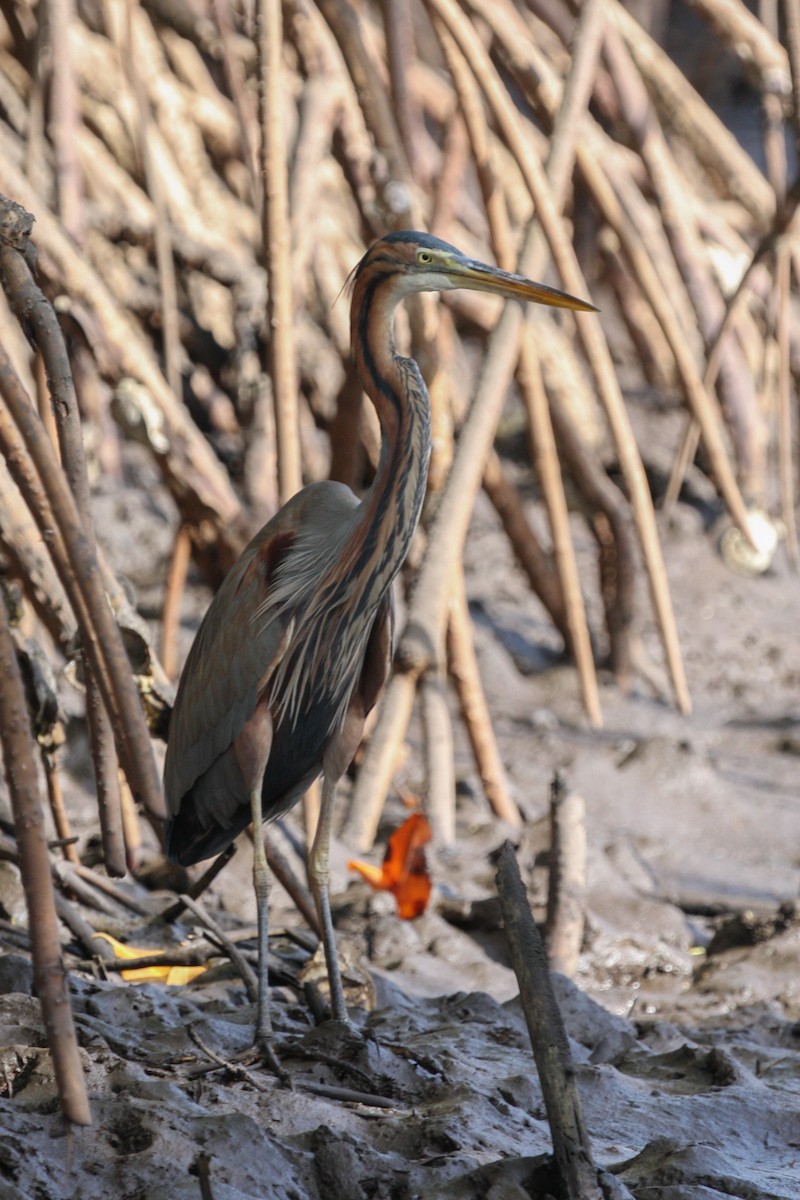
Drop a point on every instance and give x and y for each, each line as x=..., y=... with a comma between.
x=439, y=764
x=529, y=374
x=786, y=466
x=576, y=1170
x=464, y=672
x=109, y=888
x=58, y=810
x=590, y=335
x=241, y=964
x=534, y=561
x=203, y=493
x=80, y=929
x=33, y=461
x=276, y=234
x=196, y=954
x=67, y=879
x=567, y=884
x=49, y=976
x=33, y=310
x=171, y=612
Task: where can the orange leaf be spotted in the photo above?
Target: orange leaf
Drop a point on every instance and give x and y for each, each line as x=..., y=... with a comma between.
x=404, y=872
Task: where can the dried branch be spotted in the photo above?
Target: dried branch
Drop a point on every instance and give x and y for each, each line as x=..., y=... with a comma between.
x=31, y=307
x=398, y=25
x=230, y=949
x=49, y=976
x=440, y=769
x=532, y=559
x=566, y=892
x=475, y=714
x=786, y=465
x=64, y=119
x=612, y=526
x=54, y=509
x=680, y=107
x=276, y=237
x=171, y=614
x=545, y=459
x=58, y=811
x=576, y=1170
x=199, y=886
x=790, y=11
x=242, y=99
x=155, y=190
x=396, y=194
x=749, y=40
x=783, y=218
x=200, y=487
x=29, y=561
x=589, y=332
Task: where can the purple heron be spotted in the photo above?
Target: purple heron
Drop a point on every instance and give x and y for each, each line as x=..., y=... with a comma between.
x=297, y=643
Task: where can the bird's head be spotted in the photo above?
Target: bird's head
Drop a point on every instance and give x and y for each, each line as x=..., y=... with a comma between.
x=419, y=262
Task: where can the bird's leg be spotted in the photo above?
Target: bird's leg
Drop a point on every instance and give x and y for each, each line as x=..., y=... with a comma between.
x=261, y=887
x=252, y=748
x=318, y=872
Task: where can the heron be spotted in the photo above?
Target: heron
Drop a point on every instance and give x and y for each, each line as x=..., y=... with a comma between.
x=296, y=646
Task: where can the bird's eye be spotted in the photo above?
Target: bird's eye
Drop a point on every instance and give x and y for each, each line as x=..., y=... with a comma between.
x=424, y=257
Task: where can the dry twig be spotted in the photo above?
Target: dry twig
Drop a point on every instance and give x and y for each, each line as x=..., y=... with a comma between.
x=474, y=708
x=50, y=979
x=567, y=880
x=241, y=964
x=576, y=1171
x=276, y=236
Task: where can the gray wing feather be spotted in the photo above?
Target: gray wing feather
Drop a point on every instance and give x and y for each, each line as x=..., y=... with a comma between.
x=234, y=650
x=219, y=686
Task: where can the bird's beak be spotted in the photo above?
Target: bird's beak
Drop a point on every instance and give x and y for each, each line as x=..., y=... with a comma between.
x=479, y=278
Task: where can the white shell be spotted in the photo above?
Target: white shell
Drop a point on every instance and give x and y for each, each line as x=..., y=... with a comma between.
x=740, y=556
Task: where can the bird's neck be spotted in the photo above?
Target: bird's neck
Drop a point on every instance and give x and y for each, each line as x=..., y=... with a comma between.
x=390, y=510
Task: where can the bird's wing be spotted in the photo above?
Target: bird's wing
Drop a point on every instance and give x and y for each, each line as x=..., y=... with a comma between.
x=229, y=664
x=244, y=635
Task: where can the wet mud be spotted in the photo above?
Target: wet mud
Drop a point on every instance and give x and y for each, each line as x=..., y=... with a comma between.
x=684, y=1014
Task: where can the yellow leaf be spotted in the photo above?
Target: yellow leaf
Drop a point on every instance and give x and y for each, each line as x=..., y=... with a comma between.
x=146, y=974
x=178, y=976
x=172, y=976
x=123, y=951
x=373, y=875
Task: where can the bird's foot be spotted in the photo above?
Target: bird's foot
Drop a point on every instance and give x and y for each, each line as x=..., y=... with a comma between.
x=342, y=1047
x=259, y=1054
x=324, y=1010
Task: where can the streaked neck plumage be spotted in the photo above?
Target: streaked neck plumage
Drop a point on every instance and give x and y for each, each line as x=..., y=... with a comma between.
x=349, y=575
x=390, y=510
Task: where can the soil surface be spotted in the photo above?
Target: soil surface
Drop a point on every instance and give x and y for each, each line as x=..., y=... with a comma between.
x=684, y=1013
